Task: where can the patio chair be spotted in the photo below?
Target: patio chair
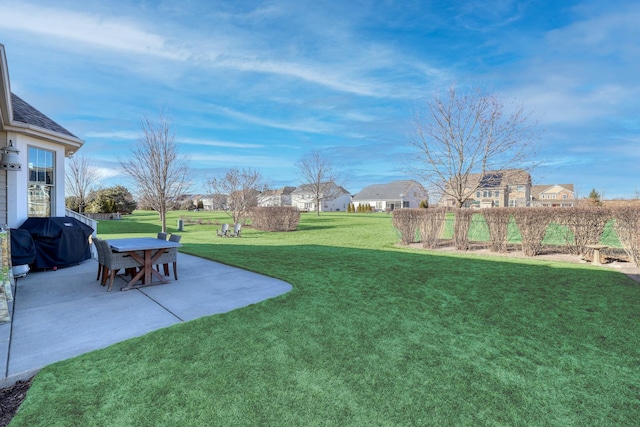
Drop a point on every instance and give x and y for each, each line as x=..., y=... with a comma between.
x=96, y=241
x=225, y=231
x=162, y=236
x=236, y=230
x=114, y=262
x=170, y=257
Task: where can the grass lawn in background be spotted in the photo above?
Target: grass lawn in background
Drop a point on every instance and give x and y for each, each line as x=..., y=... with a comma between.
x=371, y=334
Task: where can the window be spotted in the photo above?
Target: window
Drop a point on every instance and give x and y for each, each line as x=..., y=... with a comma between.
x=378, y=205
x=496, y=193
x=477, y=194
x=41, y=182
x=564, y=196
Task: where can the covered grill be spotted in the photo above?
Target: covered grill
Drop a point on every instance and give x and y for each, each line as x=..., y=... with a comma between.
x=59, y=241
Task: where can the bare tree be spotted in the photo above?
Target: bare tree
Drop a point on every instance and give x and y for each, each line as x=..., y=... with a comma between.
x=319, y=175
x=159, y=173
x=81, y=178
x=237, y=191
x=469, y=133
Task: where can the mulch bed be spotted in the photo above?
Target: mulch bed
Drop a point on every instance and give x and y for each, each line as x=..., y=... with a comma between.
x=10, y=400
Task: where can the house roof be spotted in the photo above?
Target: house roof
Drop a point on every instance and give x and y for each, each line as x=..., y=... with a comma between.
x=279, y=192
x=309, y=188
x=389, y=191
x=23, y=112
x=537, y=189
x=500, y=178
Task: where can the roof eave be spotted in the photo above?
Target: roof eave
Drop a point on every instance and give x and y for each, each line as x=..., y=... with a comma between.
x=71, y=144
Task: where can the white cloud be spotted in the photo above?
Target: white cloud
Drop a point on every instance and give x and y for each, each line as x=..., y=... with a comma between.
x=211, y=143
x=309, y=125
x=124, y=135
x=112, y=33
x=106, y=173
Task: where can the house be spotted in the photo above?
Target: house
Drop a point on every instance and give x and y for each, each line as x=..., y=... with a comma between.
x=34, y=148
x=279, y=197
x=508, y=187
x=558, y=195
x=390, y=196
x=332, y=197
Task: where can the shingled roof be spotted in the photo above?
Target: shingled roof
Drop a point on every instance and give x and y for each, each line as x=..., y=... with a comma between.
x=390, y=191
x=23, y=112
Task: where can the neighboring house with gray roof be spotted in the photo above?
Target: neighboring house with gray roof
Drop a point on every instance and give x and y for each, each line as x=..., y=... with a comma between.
x=391, y=196
x=332, y=198
x=32, y=184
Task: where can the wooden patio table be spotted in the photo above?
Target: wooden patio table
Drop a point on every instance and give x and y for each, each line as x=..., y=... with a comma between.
x=152, y=248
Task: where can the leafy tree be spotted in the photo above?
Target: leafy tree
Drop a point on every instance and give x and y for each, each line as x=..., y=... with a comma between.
x=111, y=199
x=461, y=134
x=159, y=173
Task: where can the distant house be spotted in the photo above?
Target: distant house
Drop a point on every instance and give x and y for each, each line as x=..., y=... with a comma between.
x=279, y=197
x=558, y=195
x=390, y=196
x=332, y=198
x=508, y=187
x=33, y=185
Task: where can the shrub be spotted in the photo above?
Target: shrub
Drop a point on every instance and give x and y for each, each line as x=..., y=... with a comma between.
x=585, y=226
x=406, y=221
x=431, y=226
x=461, y=228
x=532, y=224
x=275, y=218
x=627, y=226
x=498, y=223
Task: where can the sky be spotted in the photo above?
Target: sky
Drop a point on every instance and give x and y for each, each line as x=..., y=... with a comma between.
x=259, y=84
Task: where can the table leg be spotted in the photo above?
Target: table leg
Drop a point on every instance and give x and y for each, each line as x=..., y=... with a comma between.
x=146, y=269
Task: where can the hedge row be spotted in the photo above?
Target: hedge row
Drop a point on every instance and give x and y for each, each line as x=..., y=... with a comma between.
x=581, y=226
x=275, y=218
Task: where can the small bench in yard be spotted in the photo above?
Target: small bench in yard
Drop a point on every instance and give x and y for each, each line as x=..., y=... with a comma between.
x=596, y=252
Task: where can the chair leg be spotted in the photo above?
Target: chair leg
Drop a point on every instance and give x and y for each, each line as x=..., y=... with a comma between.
x=166, y=269
x=105, y=275
x=99, y=271
x=112, y=276
x=175, y=270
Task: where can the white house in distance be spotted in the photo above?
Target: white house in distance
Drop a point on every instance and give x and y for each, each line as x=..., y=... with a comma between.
x=333, y=198
x=394, y=195
x=279, y=197
x=33, y=150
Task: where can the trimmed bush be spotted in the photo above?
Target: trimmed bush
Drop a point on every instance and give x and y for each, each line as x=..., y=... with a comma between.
x=275, y=218
x=406, y=221
x=431, y=226
x=585, y=226
x=627, y=227
x=498, y=223
x=461, y=228
x=532, y=224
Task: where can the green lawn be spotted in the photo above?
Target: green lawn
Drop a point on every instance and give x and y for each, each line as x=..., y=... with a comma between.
x=371, y=335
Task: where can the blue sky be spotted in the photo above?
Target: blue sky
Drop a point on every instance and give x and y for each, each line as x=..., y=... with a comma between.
x=261, y=83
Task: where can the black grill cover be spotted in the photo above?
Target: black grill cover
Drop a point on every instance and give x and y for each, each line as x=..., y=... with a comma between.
x=23, y=249
x=59, y=241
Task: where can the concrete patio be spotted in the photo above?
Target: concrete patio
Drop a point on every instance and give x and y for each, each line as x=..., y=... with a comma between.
x=65, y=313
